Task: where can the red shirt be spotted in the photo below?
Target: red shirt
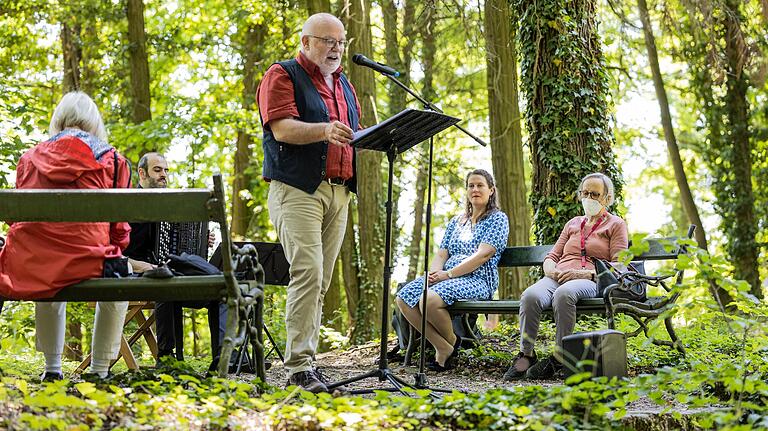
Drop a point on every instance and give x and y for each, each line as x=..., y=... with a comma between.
x=275, y=97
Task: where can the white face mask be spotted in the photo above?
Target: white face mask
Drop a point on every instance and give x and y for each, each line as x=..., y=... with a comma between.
x=591, y=207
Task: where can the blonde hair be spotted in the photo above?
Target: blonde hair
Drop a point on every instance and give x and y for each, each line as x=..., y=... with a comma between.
x=76, y=109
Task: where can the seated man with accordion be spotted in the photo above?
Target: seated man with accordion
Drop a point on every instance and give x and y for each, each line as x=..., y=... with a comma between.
x=151, y=245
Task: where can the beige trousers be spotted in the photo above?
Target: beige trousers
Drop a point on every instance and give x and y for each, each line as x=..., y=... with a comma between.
x=311, y=229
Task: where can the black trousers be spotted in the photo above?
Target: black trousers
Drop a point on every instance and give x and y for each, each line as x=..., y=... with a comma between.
x=170, y=325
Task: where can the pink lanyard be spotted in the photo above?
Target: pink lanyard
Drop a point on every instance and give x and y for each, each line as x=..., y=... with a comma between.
x=584, y=238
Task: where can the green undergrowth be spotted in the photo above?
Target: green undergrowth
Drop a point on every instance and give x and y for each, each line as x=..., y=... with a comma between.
x=720, y=383
x=719, y=396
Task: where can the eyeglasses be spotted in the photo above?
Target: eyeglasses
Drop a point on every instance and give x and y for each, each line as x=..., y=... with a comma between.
x=331, y=42
x=588, y=194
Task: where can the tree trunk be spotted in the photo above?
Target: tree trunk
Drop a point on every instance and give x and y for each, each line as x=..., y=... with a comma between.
x=565, y=84
x=369, y=179
x=689, y=205
x=317, y=6
x=506, y=135
x=350, y=269
x=137, y=48
x=686, y=196
x=415, y=251
x=332, y=311
x=742, y=244
x=252, y=51
x=71, y=49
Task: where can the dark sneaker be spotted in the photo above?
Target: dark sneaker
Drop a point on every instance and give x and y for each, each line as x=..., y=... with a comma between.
x=51, y=377
x=320, y=376
x=545, y=370
x=520, y=366
x=308, y=381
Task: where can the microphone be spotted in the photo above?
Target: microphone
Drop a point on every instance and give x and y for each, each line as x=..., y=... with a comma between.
x=362, y=60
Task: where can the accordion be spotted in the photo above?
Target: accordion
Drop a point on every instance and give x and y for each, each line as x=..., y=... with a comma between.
x=184, y=237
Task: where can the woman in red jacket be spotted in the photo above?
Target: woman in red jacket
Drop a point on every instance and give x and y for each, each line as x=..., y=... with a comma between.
x=39, y=259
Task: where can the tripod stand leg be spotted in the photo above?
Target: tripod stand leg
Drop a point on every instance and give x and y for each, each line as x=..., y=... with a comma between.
x=274, y=345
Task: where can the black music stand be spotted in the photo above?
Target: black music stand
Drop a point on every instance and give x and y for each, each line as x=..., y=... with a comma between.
x=393, y=136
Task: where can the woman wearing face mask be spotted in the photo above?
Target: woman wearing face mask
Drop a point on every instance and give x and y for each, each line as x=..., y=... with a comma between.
x=569, y=275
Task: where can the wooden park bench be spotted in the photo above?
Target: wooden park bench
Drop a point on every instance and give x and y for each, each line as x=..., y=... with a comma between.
x=244, y=299
x=642, y=312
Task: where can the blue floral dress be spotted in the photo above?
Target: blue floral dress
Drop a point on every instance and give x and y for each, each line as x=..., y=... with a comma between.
x=462, y=240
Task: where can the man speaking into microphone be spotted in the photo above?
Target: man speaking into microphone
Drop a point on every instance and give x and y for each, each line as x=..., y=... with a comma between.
x=309, y=111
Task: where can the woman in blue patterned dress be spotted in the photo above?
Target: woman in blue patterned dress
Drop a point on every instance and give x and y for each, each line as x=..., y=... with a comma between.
x=463, y=268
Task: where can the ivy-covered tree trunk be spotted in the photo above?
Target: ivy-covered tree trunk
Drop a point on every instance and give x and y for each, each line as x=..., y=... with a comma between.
x=369, y=183
x=137, y=49
x=252, y=52
x=506, y=135
x=717, y=53
x=741, y=233
x=567, y=114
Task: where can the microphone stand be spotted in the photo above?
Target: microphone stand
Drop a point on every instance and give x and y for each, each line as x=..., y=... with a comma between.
x=420, y=378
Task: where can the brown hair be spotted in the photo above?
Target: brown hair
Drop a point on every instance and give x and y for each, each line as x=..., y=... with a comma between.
x=493, y=204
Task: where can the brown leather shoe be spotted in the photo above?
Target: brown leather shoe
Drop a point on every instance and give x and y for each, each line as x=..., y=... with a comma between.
x=320, y=376
x=308, y=381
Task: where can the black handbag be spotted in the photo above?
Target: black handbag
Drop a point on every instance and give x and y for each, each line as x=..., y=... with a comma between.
x=627, y=284
x=116, y=267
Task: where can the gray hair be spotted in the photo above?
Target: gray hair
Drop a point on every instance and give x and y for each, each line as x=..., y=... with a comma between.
x=607, y=186
x=77, y=110
x=312, y=20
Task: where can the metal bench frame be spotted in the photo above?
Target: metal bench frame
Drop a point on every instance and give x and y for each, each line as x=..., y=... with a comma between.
x=642, y=312
x=243, y=298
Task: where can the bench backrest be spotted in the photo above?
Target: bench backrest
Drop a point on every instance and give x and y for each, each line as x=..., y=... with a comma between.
x=534, y=255
x=120, y=205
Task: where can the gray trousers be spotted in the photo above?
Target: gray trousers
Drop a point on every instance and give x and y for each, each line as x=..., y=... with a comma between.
x=563, y=298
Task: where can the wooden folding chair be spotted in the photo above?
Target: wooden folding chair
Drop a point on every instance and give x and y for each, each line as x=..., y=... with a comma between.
x=135, y=313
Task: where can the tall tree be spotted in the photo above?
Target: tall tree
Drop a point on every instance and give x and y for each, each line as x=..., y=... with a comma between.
x=71, y=48
x=689, y=205
x=717, y=54
x=742, y=242
x=252, y=53
x=369, y=182
x=137, y=48
x=506, y=134
x=686, y=196
x=316, y=6
x=567, y=116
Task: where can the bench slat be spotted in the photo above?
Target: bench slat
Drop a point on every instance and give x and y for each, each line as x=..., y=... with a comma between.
x=534, y=255
x=584, y=306
x=113, y=205
x=179, y=288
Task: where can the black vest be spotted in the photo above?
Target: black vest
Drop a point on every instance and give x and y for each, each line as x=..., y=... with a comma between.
x=303, y=166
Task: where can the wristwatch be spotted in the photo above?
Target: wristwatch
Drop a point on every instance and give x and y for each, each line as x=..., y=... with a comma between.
x=450, y=275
